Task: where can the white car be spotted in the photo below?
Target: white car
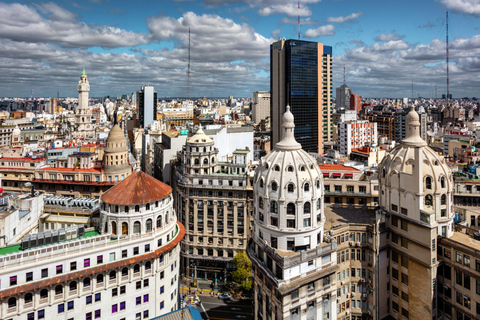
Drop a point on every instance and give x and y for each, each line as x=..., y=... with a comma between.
x=225, y=296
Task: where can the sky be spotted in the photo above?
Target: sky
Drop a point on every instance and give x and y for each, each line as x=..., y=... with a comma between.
x=123, y=45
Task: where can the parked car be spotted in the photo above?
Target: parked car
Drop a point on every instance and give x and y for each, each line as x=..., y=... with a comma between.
x=225, y=296
x=247, y=294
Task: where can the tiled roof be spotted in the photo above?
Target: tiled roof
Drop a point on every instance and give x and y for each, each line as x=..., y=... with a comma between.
x=336, y=167
x=71, y=169
x=138, y=188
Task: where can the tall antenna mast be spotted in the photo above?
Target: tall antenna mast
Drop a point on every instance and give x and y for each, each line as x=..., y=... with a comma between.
x=412, y=90
x=188, y=70
x=299, y=35
x=448, y=76
x=344, y=82
x=435, y=91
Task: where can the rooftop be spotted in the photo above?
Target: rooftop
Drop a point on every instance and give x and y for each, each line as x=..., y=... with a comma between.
x=339, y=216
x=336, y=167
x=137, y=188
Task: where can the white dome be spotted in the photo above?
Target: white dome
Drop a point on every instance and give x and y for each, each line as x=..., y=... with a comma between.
x=199, y=137
x=288, y=187
x=16, y=131
x=415, y=181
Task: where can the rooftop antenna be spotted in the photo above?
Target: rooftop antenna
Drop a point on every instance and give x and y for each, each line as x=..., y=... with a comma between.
x=435, y=91
x=188, y=69
x=299, y=34
x=412, y=90
x=344, y=82
x=448, y=76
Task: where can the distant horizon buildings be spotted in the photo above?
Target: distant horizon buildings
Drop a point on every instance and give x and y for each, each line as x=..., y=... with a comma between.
x=301, y=76
x=261, y=105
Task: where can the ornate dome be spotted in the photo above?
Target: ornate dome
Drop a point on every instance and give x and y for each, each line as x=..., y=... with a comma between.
x=415, y=180
x=16, y=131
x=199, y=137
x=138, y=188
x=288, y=188
x=115, y=135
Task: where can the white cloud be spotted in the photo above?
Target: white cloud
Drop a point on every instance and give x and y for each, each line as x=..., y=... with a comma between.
x=469, y=7
x=23, y=23
x=348, y=18
x=328, y=30
x=384, y=37
x=290, y=9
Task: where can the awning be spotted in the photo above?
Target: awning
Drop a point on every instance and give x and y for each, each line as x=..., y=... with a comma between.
x=326, y=174
x=348, y=174
x=337, y=174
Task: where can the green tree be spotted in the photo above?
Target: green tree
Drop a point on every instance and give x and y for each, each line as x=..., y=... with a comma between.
x=243, y=274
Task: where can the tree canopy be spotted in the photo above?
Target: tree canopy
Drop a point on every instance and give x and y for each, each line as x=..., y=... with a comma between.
x=242, y=275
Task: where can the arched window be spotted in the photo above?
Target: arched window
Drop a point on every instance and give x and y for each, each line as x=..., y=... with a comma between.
x=306, y=187
x=73, y=285
x=290, y=208
x=276, y=168
x=383, y=172
x=260, y=203
x=306, y=207
x=147, y=207
x=159, y=222
x=197, y=161
x=442, y=182
x=124, y=229
x=124, y=272
x=112, y=275
x=261, y=183
x=318, y=184
x=58, y=289
x=302, y=168
x=428, y=200
x=166, y=218
x=290, y=169
x=290, y=187
x=136, y=268
x=205, y=161
x=443, y=200
x=86, y=282
x=149, y=225
x=213, y=159
x=43, y=294
x=114, y=228
x=274, y=186
x=12, y=302
x=136, y=227
x=428, y=182
x=273, y=207
x=148, y=265
x=28, y=298
x=100, y=278
x=137, y=208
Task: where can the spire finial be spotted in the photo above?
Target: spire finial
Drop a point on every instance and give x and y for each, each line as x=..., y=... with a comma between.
x=288, y=141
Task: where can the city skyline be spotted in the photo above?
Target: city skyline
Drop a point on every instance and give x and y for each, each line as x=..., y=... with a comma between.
x=124, y=46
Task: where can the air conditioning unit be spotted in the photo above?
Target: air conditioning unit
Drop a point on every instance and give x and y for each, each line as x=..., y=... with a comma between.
x=358, y=244
x=348, y=312
x=351, y=243
x=353, y=294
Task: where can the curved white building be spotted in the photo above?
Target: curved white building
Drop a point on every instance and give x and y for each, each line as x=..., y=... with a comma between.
x=126, y=270
x=294, y=270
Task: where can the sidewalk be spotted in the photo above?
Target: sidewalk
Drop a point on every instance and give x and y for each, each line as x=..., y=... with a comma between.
x=202, y=285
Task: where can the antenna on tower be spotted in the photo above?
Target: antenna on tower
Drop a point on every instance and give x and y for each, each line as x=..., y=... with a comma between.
x=188, y=70
x=435, y=91
x=344, y=82
x=448, y=76
x=299, y=34
x=412, y=90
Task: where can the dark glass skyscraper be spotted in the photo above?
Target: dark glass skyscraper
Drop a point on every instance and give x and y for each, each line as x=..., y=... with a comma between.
x=301, y=76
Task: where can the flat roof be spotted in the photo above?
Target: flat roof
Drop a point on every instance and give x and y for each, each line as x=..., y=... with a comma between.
x=344, y=215
x=466, y=240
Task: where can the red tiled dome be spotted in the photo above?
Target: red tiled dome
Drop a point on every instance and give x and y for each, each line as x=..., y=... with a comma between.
x=138, y=188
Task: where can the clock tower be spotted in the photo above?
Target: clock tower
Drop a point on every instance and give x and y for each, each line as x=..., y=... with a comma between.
x=83, y=116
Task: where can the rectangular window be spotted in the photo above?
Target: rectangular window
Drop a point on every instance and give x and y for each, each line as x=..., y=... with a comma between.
x=161, y=305
x=147, y=248
x=98, y=297
x=59, y=269
x=73, y=265
x=114, y=292
x=13, y=281
x=29, y=276
x=41, y=314
x=394, y=207
x=112, y=256
x=145, y=298
x=138, y=300
x=404, y=225
x=98, y=314
x=124, y=253
x=404, y=211
x=135, y=251
x=394, y=273
x=88, y=316
x=123, y=289
x=86, y=263
x=99, y=259
x=88, y=299
x=145, y=314
x=61, y=308
x=405, y=279
x=70, y=305
x=162, y=289
x=145, y=283
x=114, y=308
